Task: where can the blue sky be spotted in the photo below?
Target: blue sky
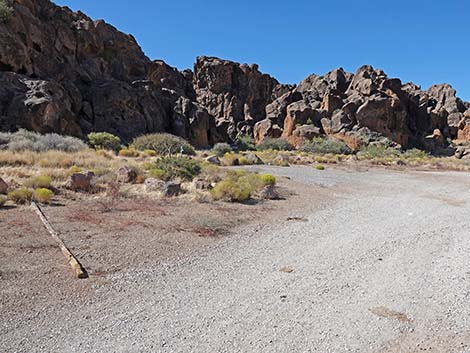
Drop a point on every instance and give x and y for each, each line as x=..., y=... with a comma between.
x=421, y=41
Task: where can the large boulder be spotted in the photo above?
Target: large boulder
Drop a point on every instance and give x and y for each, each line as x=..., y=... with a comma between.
x=3, y=186
x=266, y=128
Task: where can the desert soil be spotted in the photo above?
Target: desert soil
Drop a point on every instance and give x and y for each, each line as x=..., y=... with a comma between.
x=351, y=261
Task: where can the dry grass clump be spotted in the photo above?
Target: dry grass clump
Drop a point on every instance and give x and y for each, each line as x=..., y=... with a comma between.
x=129, y=153
x=41, y=181
x=21, y=196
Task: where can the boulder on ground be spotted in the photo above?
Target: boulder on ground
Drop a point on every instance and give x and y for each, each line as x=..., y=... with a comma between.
x=269, y=193
x=80, y=181
x=126, y=175
x=252, y=158
x=3, y=186
x=167, y=189
x=213, y=160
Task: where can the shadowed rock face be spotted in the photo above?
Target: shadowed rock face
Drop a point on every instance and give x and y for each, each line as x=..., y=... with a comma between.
x=61, y=71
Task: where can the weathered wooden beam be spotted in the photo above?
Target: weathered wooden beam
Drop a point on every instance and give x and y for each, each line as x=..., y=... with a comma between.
x=78, y=269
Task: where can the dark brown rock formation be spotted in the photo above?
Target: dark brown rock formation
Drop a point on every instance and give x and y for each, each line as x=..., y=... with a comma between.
x=61, y=71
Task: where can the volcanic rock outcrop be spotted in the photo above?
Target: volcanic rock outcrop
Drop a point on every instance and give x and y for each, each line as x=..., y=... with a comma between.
x=61, y=71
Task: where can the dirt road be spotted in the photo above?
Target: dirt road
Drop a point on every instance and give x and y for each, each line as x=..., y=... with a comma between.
x=379, y=263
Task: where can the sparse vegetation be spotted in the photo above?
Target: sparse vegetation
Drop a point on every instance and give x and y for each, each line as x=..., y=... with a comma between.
x=322, y=145
x=163, y=144
x=6, y=10
x=104, y=141
x=41, y=181
x=24, y=140
x=239, y=186
x=378, y=151
x=3, y=200
x=129, y=153
x=319, y=167
x=277, y=144
x=21, y=196
x=43, y=195
x=176, y=167
x=245, y=143
x=220, y=149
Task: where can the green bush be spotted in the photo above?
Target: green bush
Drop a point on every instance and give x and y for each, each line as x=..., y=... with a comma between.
x=177, y=167
x=21, y=196
x=104, y=141
x=41, y=181
x=378, y=151
x=415, y=153
x=157, y=173
x=238, y=185
x=3, y=199
x=245, y=143
x=268, y=179
x=220, y=149
x=319, y=167
x=325, y=145
x=163, y=144
x=43, y=195
x=5, y=10
x=232, y=190
x=274, y=144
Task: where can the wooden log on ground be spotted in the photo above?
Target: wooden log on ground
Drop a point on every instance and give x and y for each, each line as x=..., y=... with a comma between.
x=78, y=269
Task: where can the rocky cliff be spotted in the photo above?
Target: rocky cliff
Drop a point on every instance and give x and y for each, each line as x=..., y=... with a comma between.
x=61, y=71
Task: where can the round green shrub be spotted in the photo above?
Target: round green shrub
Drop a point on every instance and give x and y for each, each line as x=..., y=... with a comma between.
x=177, y=167
x=104, y=141
x=277, y=144
x=3, y=199
x=268, y=179
x=220, y=149
x=43, y=195
x=163, y=144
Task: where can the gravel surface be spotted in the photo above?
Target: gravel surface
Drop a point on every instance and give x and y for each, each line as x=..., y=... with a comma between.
x=379, y=263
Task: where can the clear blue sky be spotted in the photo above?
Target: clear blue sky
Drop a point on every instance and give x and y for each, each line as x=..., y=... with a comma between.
x=422, y=41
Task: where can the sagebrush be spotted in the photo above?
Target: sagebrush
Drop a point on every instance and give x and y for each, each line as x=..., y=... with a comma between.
x=24, y=140
x=163, y=144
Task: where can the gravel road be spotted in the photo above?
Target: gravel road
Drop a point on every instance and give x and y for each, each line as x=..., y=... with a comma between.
x=380, y=263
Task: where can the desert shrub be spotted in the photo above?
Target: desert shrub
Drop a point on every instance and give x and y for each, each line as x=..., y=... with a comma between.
x=245, y=143
x=239, y=186
x=319, y=167
x=268, y=179
x=41, y=181
x=43, y=195
x=378, y=151
x=21, y=196
x=230, y=159
x=231, y=189
x=75, y=169
x=24, y=140
x=128, y=152
x=220, y=149
x=150, y=153
x=325, y=145
x=274, y=144
x=3, y=199
x=157, y=173
x=104, y=141
x=177, y=167
x=415, y=153
x=5, y=10
x=163, y=144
